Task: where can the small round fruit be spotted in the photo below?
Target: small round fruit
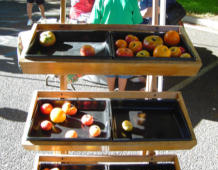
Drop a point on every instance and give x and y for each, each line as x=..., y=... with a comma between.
x=152, y=41
x=143, y=53
x=130, y=38
x=182, y=49
x=171, y=38
x=127, y=125
x=57, y=115
x=69, y=109
x=87, y=119
x=94, y=131
x=55, y=169
x=46, y=108
x=47, y=38
x=71, y=134
x=175, y=51
x=135, y=46
x=185, y=55
x=121, y=43
x=162, y=51
x=46, y=169
x=87, y=50
x=124, y=52
x=46, y=125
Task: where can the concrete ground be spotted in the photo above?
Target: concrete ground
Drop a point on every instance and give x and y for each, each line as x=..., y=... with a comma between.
x=200, y=92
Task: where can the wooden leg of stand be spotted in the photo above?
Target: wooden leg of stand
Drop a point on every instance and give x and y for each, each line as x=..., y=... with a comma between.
x=63, y=82
x=151, y=84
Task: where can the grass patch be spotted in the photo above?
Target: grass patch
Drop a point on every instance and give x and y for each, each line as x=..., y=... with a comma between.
x=200, y=6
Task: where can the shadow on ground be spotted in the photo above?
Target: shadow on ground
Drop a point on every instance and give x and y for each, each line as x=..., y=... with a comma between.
x=13, y=114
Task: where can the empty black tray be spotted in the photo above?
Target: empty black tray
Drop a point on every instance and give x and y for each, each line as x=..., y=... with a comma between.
x=153, y=120
x=68, y=44
x=115, y=35
x=99, y=109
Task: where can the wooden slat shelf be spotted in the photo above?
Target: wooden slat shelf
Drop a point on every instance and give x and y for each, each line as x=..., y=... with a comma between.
x=110, y=67
x=109, y=145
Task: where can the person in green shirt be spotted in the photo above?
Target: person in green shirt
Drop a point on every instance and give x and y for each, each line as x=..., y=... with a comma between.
x=116, y=12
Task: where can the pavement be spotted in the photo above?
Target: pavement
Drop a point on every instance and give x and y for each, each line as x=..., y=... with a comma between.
x=200, y=92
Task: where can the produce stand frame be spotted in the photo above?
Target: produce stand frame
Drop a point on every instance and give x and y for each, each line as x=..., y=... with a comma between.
x=109, y=67
x=109, y=145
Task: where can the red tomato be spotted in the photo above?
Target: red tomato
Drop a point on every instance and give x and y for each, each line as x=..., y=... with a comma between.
x=46, y=125
x=87, y=119
x=46, y=108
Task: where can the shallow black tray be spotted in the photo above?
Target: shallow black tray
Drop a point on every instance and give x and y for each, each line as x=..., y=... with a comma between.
x=99, y=109
x=164, y=120
x=68, y=44
x=115, y=35
x=149, y=166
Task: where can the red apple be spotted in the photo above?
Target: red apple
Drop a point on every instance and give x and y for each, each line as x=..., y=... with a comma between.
x=135, y=46
x=152, y=41
x=87, y=119
x=130, y=38
x=46, y=125
x=46, y=108
x=87, y=50
x=124, y=52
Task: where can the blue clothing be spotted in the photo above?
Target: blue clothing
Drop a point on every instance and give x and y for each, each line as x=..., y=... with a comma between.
x=148, y=3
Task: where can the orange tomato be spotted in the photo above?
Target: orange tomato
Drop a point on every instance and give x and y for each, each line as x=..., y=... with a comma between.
x=175, y=51
x=121, y=43
x=171, y=38
x=69, y=109
x=94, y=131
x=135, y=46
x=71, y=134
x=161, y=51
x=130, y=38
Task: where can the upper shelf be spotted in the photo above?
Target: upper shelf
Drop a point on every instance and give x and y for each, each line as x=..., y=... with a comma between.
x=61, y=62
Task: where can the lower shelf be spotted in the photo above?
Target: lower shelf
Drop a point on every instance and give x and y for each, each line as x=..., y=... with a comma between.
x=70, y=162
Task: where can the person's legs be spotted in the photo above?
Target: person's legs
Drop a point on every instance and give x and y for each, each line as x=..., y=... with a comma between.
x=29, y=10
x=111, y=83
x=42, y=10
x=122, y=84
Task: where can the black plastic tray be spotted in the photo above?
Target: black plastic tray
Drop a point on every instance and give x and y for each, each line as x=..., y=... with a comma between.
x=68, y=44
x=164, y=120
x=149, y=166
x=99, y=109
x=115, y=35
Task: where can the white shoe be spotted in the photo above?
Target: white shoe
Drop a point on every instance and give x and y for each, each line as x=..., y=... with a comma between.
x=29, y=22
x=42, y=20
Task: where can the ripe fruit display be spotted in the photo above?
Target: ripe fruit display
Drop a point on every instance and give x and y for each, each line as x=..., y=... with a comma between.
x=47, y=38
x=94, y=131
x=185, y=55
x=124, y=52
x=121, y=43
x=87, y=50
x=143, y=53
x=57, y=115
x=87, y=119
x=175, y=51
x=46, y=125
x=127, y=125
x=152, y=41
x=130, y=38
x=135, y=46
x=46, y=108
x=162, y=51
x=69, y=109
x=71, y=134
x=172, y=38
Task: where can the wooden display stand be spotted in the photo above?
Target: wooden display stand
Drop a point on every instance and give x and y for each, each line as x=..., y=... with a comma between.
x=107, y=67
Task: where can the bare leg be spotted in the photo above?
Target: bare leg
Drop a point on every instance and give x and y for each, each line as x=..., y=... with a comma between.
x=29, y=10
x=122, y=84
x=111, y=83
x=42, y=10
